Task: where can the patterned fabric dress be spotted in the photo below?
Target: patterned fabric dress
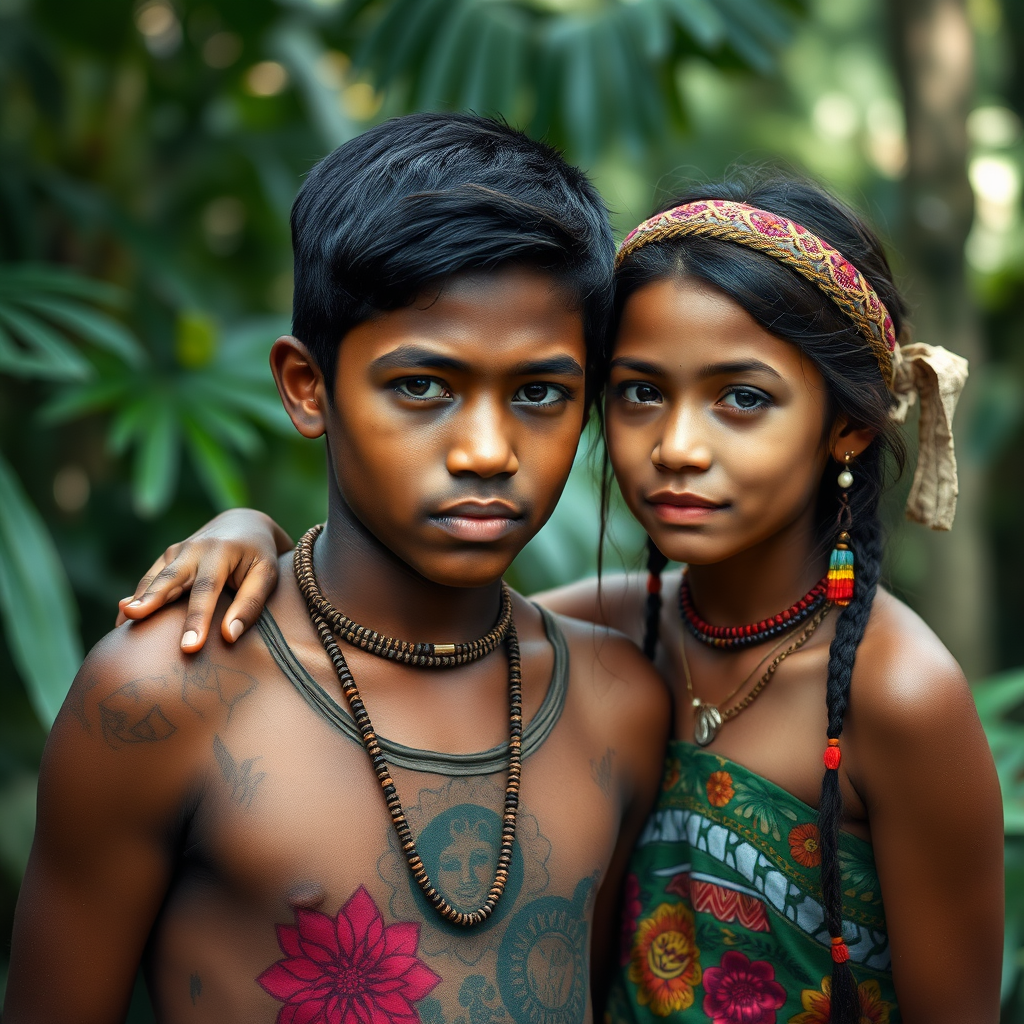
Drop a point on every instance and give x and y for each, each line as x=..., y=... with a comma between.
x=722, y=918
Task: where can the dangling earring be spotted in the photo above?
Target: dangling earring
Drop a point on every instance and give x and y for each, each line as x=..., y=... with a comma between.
x=840, y=566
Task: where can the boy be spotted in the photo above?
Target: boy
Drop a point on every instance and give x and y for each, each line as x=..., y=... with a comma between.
x=216, y=816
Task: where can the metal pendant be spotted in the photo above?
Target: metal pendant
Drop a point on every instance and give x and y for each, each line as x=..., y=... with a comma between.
x=707, y=724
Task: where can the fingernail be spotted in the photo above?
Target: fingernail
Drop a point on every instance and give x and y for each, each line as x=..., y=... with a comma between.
x=189, y=638
x=235, y=628
x=125, y=600
x=135, y=603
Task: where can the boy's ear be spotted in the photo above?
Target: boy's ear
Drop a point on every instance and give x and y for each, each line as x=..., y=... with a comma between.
x=849, y=437
x=300, y=385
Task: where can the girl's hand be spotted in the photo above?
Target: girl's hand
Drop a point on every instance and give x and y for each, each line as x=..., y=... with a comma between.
x=238, y=548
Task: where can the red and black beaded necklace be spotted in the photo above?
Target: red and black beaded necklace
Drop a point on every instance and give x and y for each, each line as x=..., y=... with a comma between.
x=736, y=637
x=328, y=621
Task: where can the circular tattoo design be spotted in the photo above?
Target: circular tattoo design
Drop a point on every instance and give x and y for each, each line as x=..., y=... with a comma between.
x=542, y=962
x=458, y=835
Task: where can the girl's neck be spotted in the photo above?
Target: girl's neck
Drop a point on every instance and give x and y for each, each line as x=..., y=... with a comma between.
x=760, y=581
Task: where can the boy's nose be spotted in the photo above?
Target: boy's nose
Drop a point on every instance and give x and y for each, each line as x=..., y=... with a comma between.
x=483, y=444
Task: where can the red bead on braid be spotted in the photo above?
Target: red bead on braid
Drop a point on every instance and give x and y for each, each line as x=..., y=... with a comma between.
x=833, y=755
x=840, y=952
x=653, y=583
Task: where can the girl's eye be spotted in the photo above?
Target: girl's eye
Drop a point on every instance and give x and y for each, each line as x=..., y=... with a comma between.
x=422, y=388
x=539, y=394
x=745, y=399
x=640, y=394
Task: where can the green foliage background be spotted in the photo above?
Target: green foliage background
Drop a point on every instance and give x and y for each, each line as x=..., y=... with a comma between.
x=149, y=154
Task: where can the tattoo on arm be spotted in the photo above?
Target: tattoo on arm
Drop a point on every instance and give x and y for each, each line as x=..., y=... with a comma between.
x=200, y=679
x=240, y=777
x=130, y=715
x=195, y=987
x=601, y=771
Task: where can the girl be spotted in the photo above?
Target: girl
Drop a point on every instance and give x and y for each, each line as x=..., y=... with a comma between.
x=754, y=388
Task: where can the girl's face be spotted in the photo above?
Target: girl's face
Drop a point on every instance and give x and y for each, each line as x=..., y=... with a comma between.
x=716, y=428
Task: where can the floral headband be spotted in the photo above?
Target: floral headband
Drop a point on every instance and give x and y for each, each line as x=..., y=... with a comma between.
x=915, y=371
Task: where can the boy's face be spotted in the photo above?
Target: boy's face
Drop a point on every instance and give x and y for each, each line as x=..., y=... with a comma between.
x=455, y=421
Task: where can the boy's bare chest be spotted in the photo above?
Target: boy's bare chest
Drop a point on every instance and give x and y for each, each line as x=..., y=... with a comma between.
x=293, y=855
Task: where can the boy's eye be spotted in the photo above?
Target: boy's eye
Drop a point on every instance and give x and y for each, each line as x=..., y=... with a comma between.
x=422, y=387
x=745, y=399
x=640, y=394
x=539, y=394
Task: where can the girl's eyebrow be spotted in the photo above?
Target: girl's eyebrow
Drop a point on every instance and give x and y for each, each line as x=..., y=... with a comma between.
x=739, y=366
x=637, y=366
x=709, y=370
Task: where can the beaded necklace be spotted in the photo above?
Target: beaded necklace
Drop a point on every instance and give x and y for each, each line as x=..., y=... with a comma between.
x=327, y=620
x=738, y=637
x=709, y=718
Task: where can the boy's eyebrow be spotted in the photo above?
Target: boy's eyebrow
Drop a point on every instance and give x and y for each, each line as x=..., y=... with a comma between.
x=417, y=355
x=560, y=366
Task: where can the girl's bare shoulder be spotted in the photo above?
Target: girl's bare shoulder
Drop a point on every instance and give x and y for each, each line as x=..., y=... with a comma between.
x=904, y=677
x=616, y=600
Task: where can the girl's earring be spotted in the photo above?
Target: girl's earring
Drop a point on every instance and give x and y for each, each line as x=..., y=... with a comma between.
x=840, y=567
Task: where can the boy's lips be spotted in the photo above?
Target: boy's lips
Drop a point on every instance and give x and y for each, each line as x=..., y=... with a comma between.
x=477, y=520
x=682, y=506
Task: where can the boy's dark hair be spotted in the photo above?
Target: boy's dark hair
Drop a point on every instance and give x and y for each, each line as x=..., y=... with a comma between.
x=417, y=199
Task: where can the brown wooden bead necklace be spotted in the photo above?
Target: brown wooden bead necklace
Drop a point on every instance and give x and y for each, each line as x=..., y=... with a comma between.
x=418, y=655
x=328, y=620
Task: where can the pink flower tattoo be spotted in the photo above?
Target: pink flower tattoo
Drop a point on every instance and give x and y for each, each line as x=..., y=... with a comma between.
x=349, y=969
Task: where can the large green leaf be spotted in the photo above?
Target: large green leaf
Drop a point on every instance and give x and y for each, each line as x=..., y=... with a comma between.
x=42, y=308
x=39, y=614
x=451, y=53
x=156, y=457
x=1000, y=703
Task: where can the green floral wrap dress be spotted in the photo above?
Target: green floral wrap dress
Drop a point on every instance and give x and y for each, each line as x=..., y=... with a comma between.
x=722, y=918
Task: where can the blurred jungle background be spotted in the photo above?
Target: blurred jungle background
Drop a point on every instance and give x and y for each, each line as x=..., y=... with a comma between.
x=149, y=153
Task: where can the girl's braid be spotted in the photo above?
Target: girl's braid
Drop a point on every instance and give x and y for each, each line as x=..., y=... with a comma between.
x=656, y=563
x=867, y=545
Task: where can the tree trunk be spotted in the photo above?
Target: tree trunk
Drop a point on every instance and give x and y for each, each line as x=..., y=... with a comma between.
x=935, y=61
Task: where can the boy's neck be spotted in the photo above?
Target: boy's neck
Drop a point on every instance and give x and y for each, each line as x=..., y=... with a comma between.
x=370, y=584
x=762, y=580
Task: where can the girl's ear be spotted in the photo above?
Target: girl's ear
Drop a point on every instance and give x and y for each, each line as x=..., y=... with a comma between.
x=849, y=438
x=300, y=385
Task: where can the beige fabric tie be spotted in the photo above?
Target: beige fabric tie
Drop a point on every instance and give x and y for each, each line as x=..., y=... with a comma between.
x=937, y=377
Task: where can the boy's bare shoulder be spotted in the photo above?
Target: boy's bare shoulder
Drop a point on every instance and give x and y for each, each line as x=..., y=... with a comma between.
x=616, y=681
x=138, y=690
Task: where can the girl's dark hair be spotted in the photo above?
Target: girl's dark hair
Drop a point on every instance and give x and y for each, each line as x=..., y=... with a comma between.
x=795, y=310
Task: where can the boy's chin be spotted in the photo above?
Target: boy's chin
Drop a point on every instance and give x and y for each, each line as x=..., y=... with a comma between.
x=463, y=569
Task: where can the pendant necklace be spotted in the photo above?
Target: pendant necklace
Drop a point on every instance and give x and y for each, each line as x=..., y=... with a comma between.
x=328, y=620
x=709, y=718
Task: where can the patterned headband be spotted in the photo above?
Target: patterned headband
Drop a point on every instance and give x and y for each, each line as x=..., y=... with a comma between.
x=790, y=243
x=915, y=372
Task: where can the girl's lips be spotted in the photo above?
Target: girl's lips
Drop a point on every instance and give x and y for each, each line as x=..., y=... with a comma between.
x=683, y=513
x=682, y=508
